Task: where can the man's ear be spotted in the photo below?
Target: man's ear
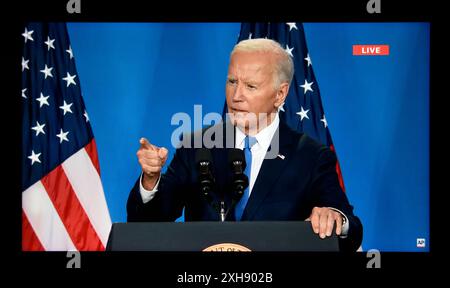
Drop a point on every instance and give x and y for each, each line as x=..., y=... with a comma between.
x=281, y=94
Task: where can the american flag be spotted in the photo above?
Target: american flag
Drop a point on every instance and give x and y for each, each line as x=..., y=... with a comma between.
x=63, y=204
x=302, y=110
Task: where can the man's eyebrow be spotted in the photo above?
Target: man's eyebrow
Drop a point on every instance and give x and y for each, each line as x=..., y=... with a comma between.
x=245, y=80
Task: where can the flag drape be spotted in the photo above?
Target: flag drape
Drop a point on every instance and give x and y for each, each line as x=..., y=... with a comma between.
x=63, y=202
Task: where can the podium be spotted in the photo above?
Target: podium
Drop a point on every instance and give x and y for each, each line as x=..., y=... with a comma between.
x=218, y=236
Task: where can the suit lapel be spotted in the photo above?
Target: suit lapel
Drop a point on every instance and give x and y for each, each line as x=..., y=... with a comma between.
x=270, y=170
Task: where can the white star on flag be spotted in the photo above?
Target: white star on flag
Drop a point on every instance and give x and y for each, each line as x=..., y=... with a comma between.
x=307, y=87
x=70, y=79
x=281, y=108
x=86, y=115
x=70, y=52
x=291, y=25
x=303, y=113
x=324, y=120
x=23, y=93
x=66, y=107
x=250, y=36
x=27, y=35
x=289, y=50
x=62, y=136
x=47, y=71
x=43, y=100
x=38, y=128
x=49, y=43
x=34, y=157
x=308, y=59
x=25, y=64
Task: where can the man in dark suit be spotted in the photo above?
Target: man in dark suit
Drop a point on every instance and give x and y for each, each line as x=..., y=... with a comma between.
x=291, y=176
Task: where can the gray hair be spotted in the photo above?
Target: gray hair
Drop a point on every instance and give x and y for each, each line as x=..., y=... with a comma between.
x=284, y=67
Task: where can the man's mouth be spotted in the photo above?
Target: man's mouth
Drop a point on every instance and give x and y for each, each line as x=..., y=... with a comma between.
x=238, y=110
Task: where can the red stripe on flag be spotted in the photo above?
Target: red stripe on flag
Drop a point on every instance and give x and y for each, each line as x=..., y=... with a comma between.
x=30, y=242
x=71, y=212
x=91, y=150
x=338, y=170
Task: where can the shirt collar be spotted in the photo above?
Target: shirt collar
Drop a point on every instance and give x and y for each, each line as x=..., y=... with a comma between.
x=264, y=137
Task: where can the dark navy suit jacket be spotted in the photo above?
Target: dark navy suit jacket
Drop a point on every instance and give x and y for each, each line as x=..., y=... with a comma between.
x=285, y=189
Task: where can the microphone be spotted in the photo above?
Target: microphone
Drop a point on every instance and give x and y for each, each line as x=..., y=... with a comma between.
x=236, y=159
x=203, y=160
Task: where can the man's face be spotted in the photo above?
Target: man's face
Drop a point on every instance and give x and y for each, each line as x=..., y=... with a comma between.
x=250, y=90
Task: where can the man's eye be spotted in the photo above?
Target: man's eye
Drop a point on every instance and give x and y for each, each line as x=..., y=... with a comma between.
x=251, y=86
x=232, y=81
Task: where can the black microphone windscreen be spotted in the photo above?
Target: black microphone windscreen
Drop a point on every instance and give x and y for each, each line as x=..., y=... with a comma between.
x=235, y=154
x=203, y=155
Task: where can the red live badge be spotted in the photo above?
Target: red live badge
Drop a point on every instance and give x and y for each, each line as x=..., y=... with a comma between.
x=370, y=50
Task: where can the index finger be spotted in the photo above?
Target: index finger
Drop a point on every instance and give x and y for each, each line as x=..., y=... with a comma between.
x=146, y=144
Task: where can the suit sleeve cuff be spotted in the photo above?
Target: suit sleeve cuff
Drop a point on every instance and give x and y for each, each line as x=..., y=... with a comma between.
x=345, y=225
x=147, y=195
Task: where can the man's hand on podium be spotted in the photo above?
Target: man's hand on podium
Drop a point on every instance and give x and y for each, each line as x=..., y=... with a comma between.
x=323, y=219
x=152, y=159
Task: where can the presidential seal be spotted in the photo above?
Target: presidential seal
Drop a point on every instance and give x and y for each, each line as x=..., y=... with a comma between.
x=226, y=247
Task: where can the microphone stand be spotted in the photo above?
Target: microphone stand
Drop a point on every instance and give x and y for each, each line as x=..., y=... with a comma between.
x=223, y=215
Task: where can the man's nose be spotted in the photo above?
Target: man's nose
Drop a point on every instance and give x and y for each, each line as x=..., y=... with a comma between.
x=238, y=93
